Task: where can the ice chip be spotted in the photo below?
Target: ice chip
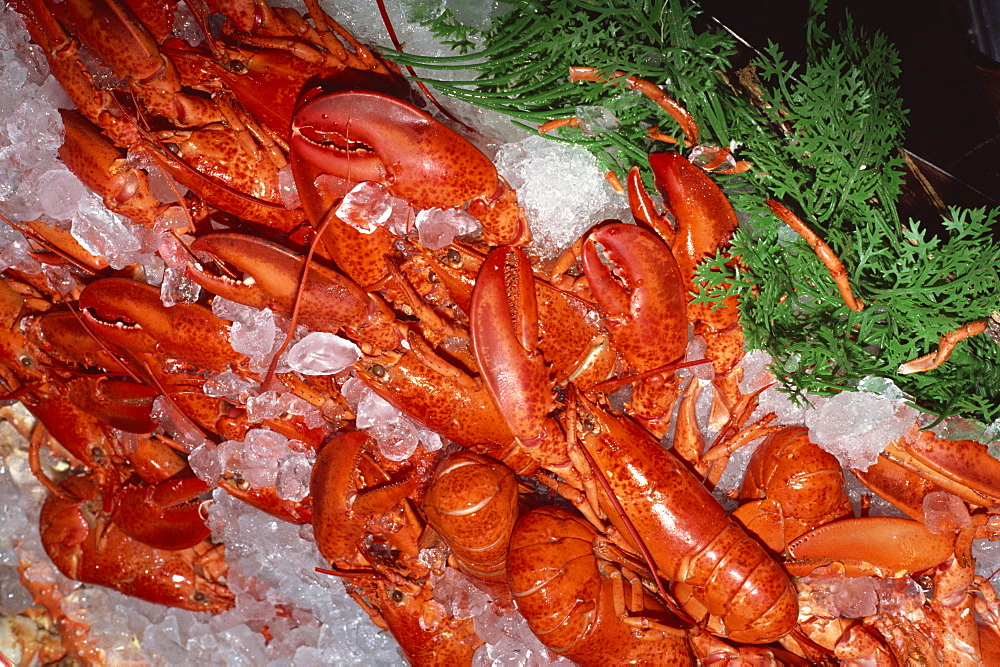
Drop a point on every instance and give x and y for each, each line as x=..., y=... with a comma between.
x=287, y=188
x=562, y=189
x=366, y=207
x=596, y=120
x=881, y=386
x=437, y=227
x=321, y=353
x=293, y=477
x=855, y=426
x=265, y=405
x=204, y=461
x=945, y=512
x=104, y=233
x=60, y=192
x=254, y=336
x=228, y=384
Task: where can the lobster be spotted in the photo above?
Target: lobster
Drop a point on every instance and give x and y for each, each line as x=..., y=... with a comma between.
x=577, y=604
x=367, y=530
x=86, y=544
x=491, y=390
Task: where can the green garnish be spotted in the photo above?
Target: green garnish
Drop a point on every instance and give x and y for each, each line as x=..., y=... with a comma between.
x=823, y=139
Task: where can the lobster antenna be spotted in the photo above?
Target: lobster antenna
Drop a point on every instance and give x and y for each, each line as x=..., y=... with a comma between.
x=293, y=322
x=413, y=74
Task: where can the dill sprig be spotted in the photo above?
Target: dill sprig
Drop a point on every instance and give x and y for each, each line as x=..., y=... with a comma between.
x=823, y=138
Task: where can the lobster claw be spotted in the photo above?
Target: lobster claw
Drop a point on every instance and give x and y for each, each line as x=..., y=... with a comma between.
x=370, y=136
x=892, y=545
x=329, y=301
x=131, y=315
x=503, y=320
x=122, y=404
x=921, y=463
x=164, y=515
x=640, y=294
x=103, y=168
x=642, y=297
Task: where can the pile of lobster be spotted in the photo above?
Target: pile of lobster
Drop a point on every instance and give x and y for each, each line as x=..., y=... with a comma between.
x=554, y=382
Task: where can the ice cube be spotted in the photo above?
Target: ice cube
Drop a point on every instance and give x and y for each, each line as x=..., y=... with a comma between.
x=321, y=353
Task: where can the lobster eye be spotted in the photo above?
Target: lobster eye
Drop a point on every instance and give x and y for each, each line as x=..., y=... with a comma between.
x=453, y=259
x=378, y=372
x=236, y=67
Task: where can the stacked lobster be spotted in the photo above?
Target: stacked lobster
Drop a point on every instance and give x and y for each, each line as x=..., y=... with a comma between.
x=522, y=365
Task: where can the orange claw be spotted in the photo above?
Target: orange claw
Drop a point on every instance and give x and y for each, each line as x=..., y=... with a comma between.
x=164, y=516
x=329, y=300
x=881, y=546
x=504, y=328
x=946, y=346
x=637, y=284
x=647, y=88
x=131, y=315
x=823, y=251
x=370, y=136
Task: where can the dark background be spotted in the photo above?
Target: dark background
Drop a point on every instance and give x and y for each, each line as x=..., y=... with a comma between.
x=952, y=124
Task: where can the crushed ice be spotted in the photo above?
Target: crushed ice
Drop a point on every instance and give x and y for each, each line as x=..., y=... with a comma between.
x=397, y=435
x=561, y=188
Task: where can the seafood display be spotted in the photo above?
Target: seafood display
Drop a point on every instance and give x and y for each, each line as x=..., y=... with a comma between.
x=306, y=293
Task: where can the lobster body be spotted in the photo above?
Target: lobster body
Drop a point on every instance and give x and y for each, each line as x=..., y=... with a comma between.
x=720, y=571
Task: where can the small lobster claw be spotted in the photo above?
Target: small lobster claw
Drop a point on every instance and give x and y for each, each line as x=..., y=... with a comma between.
x=131, y=315
x=329, y=300
x=369, y=136
x=122, y=404
x=164, y=515
x=504, y=328
x=705, y=218
x=640, y=291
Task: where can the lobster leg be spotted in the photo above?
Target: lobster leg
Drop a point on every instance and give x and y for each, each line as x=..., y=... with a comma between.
x=822, y=250
x=945, y=347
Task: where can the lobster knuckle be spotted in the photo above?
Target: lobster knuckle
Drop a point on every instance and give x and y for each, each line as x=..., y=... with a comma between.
x=472, y=504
